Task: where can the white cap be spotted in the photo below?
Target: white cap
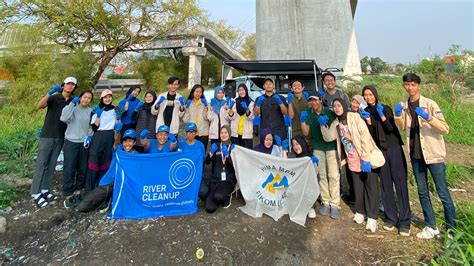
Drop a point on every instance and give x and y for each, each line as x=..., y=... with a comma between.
x=70, y=79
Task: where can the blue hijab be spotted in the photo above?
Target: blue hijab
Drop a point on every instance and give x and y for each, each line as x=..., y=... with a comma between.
x=215, y=103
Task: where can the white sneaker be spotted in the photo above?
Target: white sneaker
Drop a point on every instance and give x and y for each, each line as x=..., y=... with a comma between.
x=312, y=213
x=428, y=233
x=358, y=218
x=371, y=225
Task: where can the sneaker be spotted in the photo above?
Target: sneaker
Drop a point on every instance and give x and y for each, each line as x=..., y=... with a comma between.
x=371, y=225
x=428, y=233
x=358, y=218
x=104, y=208
x=227, y=203
x=324, y=210
x=335, y=214
x=312, y=213
x=70, y=202
x=388, y=226
x=404, y=231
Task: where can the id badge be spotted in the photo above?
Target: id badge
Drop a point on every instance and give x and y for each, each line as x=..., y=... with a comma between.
x=223, y=177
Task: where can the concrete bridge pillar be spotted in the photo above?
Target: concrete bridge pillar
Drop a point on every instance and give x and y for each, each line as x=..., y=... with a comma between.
x=195, y=54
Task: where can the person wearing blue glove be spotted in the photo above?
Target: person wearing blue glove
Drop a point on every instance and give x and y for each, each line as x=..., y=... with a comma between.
x=269, y=144
x=425, y=125
x=144, y=117
x=331, y=91
x=272, y=107
x=51, y=140
x=217, y=113
x=299, y=102
x=198, y=113
x=128, y=105
x=190, y=142
x=223, y=180
x=325, y=151
x=397, y=214
x=241, y=118
x=168, y=108
x=165, y=141
x=78, y=130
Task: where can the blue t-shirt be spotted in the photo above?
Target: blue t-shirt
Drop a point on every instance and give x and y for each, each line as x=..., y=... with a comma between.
x=154, y=146
x=197, y=146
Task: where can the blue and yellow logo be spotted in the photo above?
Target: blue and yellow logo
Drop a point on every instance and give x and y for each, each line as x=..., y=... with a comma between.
x=275, y=182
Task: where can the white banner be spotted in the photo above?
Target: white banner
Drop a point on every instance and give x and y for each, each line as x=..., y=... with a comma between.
x=275, y=186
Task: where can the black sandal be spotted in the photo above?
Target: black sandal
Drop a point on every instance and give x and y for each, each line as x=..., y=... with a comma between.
x=48, y=196
x=40, y=202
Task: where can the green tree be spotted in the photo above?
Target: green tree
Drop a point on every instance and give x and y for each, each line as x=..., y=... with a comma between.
x=378, y=65
x=364, y=63
x=249, y=47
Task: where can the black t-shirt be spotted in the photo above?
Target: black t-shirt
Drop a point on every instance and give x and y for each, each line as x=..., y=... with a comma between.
x=272, y=117
x=168, y=113
x=415, y=145
x=53, y=127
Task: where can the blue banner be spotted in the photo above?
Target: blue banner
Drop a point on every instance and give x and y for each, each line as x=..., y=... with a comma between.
x=154, y=185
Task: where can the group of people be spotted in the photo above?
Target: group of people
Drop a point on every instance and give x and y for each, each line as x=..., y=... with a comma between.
x=360, y=137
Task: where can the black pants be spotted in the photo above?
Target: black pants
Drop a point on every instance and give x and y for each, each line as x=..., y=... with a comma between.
x=366, y=189
x=74, y=174
x=219, y=192
x=96, y=198
x=347, y=185
x=394, y=172
x=100, y=156
x=246, y=143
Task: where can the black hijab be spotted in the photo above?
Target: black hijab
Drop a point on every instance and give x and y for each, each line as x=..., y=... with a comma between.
x=104, y=106
x=147, y=106
x=246, y=99
x=376, y=129
x=261, y=147
x=132, y=88
x=343, y=117
x=304, y=146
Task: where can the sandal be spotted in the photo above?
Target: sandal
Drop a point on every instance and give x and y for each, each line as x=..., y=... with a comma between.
x=40, y=202
x=50, y=197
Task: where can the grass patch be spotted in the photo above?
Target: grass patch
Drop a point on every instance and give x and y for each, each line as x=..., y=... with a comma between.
x=9, y=193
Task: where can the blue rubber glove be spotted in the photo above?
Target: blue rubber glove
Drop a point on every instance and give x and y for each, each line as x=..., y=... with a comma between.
x=204, y=101
x=421, y=112
x=130, y=97
x=87, y=141
x=278, y=140
x=228, y=100
x=306, y=95
x=380, y=110
x=213, y=149
x=54, y=89
x=188, y=103
x=321, y=93
x=162, y=99
x=244, y=105
x=314, y=159
x=232, y=146
x=285, y=144
x=225, y=150
x=398, y=109
x=289, y=98
x=144, y=134
x=118, y=127
x=260, y=101
x=98, y=111
x=139, y=105
x=181, y=100
x=172, y=137
x=304, y=115
x=323, y=120
x=287, y=120
x=118, y=113
x=75, y=100
x=366, y=168
x=278, y=99
x=232, y=103
x=364, y=114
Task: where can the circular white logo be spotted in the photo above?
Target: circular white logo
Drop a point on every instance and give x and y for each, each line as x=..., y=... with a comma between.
x=182, y=173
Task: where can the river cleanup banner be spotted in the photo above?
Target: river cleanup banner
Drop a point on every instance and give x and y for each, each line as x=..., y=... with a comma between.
x=275, y=186
x=154, y=185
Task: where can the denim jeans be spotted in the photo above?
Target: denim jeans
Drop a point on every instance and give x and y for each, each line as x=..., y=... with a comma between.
x=438, y=171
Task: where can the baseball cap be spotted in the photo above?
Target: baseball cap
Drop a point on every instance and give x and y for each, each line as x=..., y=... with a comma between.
x=70, y=79
x=130, y=134
x=105, y=93
x=191, y=126
x=314, y=97
x=164, y=128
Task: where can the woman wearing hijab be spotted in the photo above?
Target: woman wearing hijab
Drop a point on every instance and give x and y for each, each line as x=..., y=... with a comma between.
x=266, y=143
x=385, y=133
x=223, y=179
x=197, y=113
x=300, y=148
x=355, y=147
x=241, y=117
x=145, y=119
x=216, y=113
x=127, y=106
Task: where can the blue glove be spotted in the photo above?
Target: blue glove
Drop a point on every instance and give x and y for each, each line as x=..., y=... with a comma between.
x=228, y=100
x=287, y=120
x=323, y=120
x=54, y=89
x=277, y=98
x=213, y=149
x=244, y=105
x=172, y=137
x=181, y=100
x=118, y=113
x=398, y=109
x=231, y=104
x=130, y=97
x=188, y=103
x=139, y=105
x=204, y=101
x=364, y=114
x=260, y=101
x=118, y=126
x=98, y=111
x=144, y=134
x=380, y=110
x=285, y=144
x=306, y=95
x=314, y=159
x=232, y=146
x=278, y=140
x=289, y=98
x=75, y=100
x=366, y=168
x=225, y=150
x=421, y=112
x=181, y=141
x=321, y=92
x=87, y=141
x=162, y=99
x=304, y=115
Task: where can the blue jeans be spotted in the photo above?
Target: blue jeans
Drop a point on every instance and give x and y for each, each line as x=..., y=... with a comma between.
x=438, y=171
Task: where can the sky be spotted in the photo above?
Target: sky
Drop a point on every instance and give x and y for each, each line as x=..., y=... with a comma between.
x=398, y=31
